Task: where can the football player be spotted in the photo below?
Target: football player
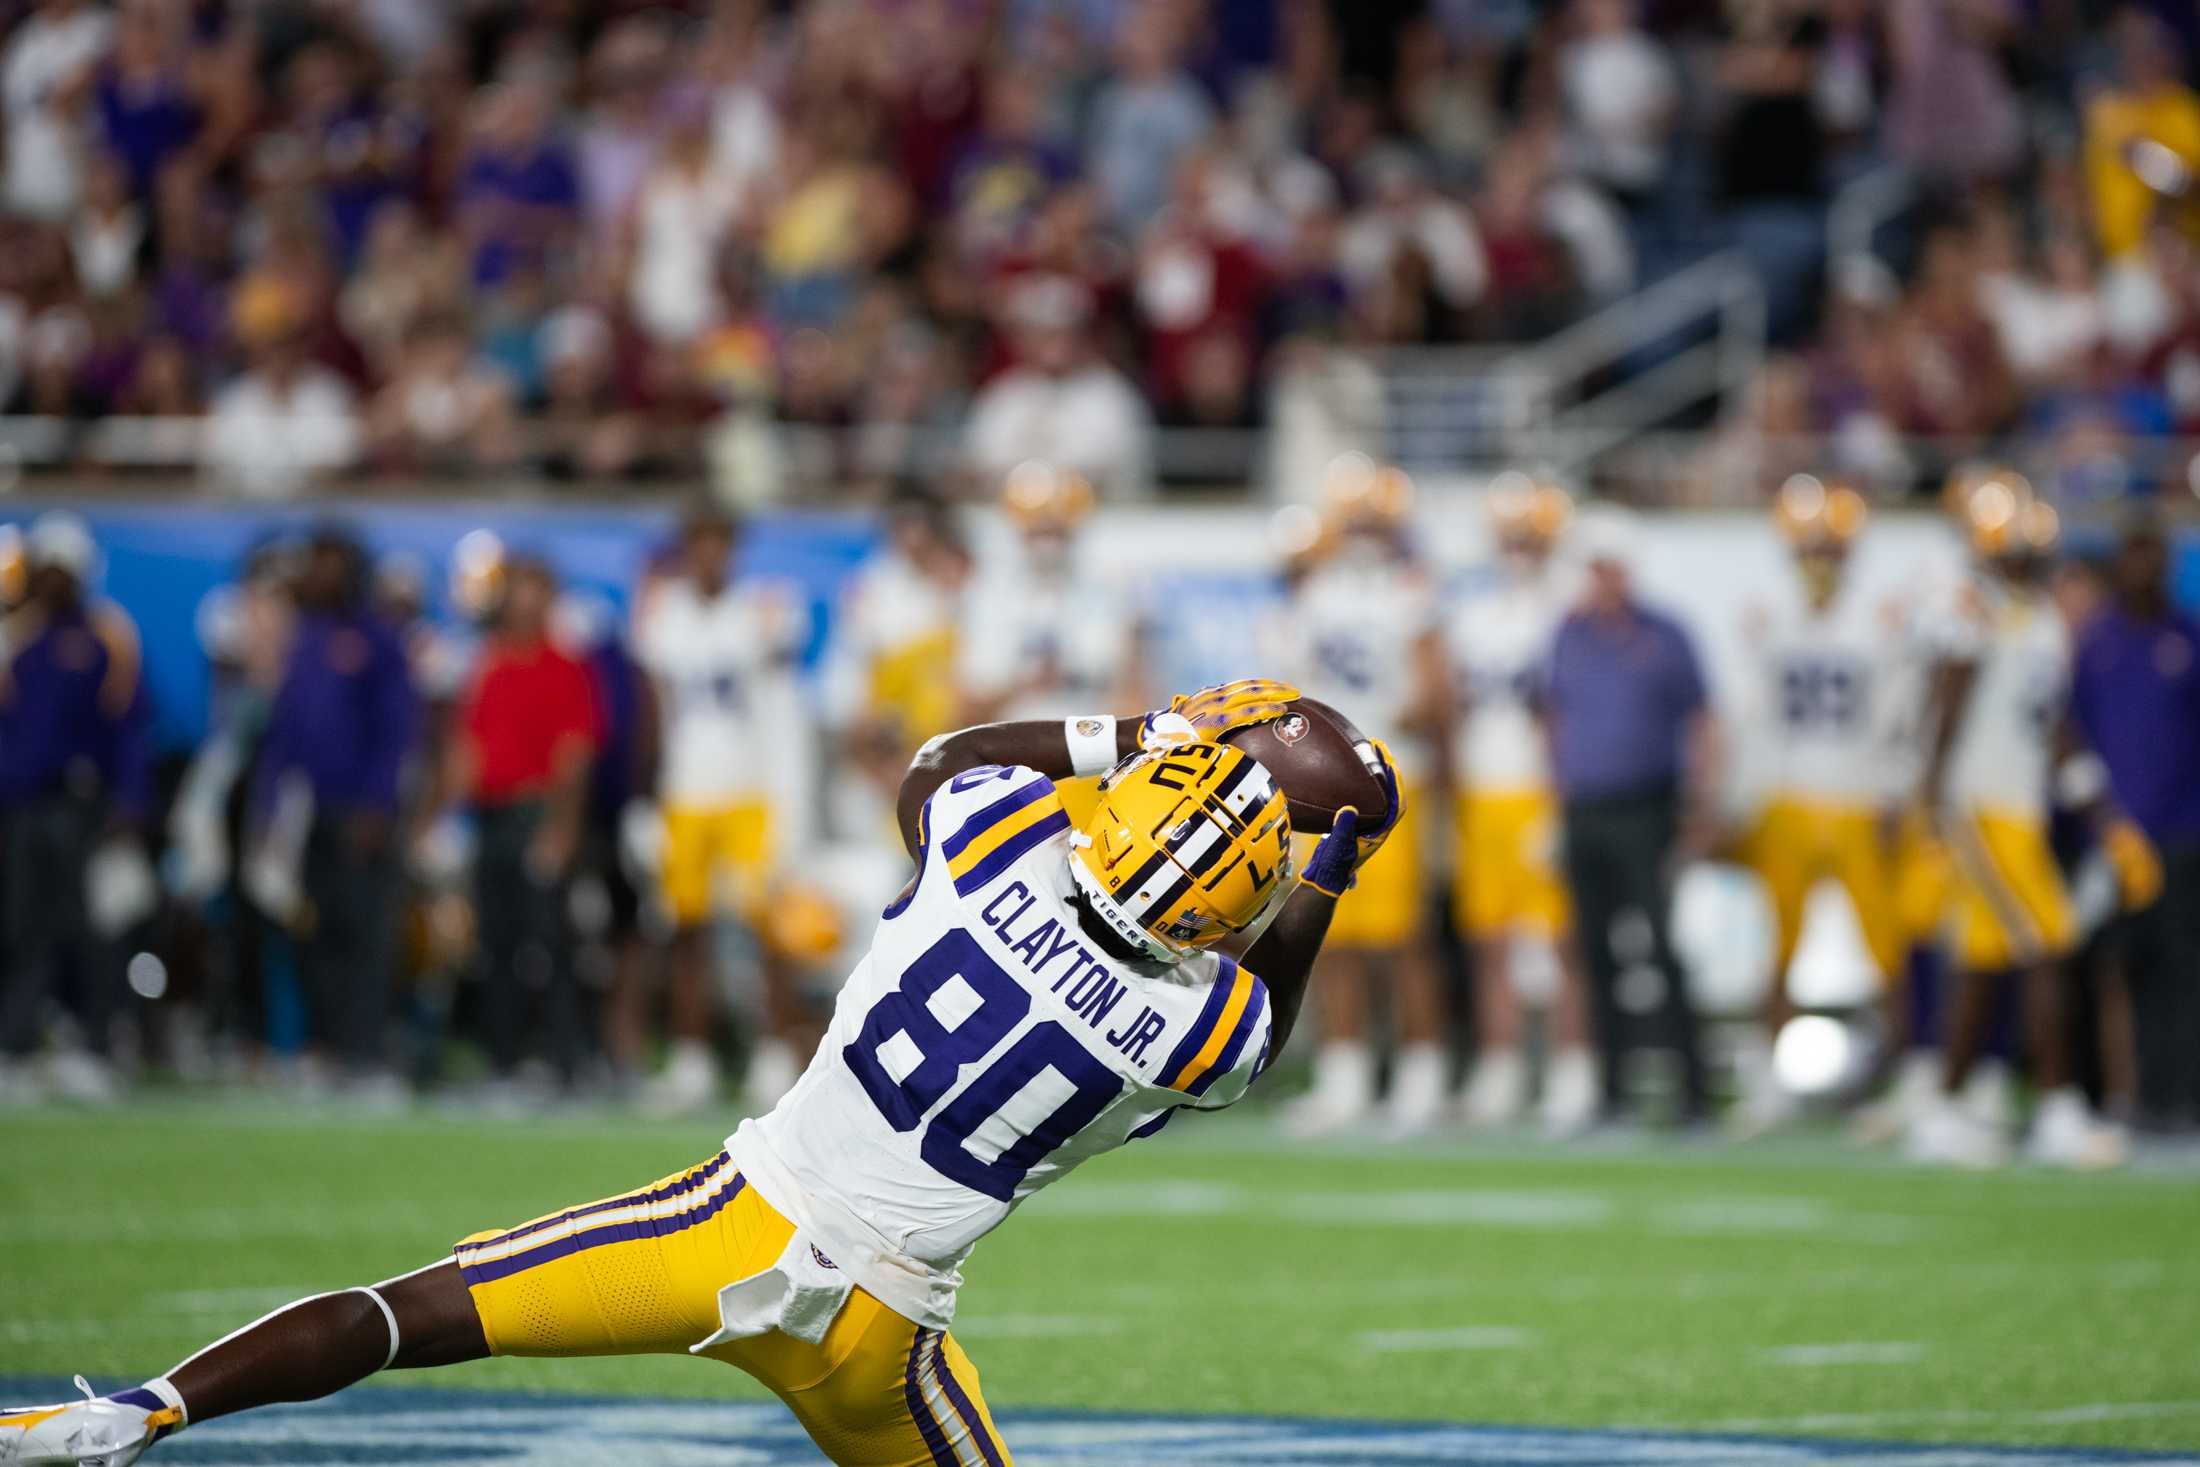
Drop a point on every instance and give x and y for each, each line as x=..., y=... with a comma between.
x=890, y=677
x=1506, y=882
x=1828, y=663
x=1995, y=715
x=1038, y=994
x=1043, y=635
x=721, y=653
x=1360, y=632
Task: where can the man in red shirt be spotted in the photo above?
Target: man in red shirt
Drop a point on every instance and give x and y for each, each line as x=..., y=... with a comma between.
x=527, y=732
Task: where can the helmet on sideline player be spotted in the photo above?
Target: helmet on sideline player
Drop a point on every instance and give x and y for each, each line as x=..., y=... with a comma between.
x=1048, y=504
x=1820, y=521
x=2008, y=525
x=1363, y=502
x=1189, y=844
x=1528, y=512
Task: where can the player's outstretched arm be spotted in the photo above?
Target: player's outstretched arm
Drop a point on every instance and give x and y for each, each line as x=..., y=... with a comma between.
x=1088, y=744
x=1039, y=743
x=1284, y=955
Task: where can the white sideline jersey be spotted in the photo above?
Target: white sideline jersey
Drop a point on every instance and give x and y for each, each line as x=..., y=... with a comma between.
x=1347, y=639
x=983, y=1048
x=1499, y=643
x=1053, y=645
x=1831, y=685
x=723, y=666
x=2004, y=746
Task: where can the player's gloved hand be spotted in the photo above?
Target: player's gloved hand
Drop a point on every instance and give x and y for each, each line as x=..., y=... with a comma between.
x=1329, y=869
x=2138, y=866
x=1219, y=708
x=1376, y=831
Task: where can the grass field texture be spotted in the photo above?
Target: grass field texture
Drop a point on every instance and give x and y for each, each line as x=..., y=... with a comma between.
x=1788, y=1288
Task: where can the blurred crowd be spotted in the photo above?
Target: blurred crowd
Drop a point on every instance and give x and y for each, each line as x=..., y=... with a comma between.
x=532, y=846
x=300, y=238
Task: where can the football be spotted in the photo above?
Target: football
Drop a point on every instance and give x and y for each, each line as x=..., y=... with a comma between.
x=1311, y=751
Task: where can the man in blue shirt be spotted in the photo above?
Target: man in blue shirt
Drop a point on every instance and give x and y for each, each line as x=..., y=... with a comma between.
x=344, y=721
x=2136, y=697
x=72, y=768
x=1632, y=746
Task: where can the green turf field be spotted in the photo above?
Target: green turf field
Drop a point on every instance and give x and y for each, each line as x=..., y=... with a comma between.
x=1788, y=1288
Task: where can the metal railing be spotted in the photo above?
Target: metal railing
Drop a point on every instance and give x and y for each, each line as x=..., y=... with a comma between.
x=1693, y=340
x=1864, y=206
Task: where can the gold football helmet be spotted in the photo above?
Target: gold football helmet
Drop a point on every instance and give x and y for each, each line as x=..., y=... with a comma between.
x=2005, y=518
x=1528, y=511
x=1189, y=844
x=1815, y=515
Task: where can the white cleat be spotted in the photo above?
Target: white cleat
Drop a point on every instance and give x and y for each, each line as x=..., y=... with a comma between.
x=1944, y=1134
x=1570, y=1093
x=1764, y=1104
x=99, y=1431
x=1916, y=1088
x=688, y=1084
x=2065, y=1134
x=1761, y=1112
x=772, y=1071
x=1497, y=1091
x=1314, y=1115
x=1420, y=1089
x=1343, y=1094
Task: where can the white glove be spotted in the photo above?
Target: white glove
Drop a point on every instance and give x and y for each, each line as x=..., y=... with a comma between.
x=120, y=889
x=641, y=840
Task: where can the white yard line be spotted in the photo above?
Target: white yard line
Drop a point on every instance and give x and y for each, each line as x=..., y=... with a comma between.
x=2076, y=1415
x=1464, y=1337
x=1846, y=1352
x=1034, y=1326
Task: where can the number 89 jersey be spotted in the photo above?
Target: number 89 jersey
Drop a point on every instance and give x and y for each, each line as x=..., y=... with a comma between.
x=984, y=1047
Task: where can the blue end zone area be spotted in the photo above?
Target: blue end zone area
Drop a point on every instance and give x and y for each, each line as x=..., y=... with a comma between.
x=437, y=1428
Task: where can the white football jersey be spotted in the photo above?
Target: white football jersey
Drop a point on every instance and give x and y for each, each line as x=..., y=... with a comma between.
x=1499, y=643
x=893, y=648
x=724, y=671
x=2004, y=746
x=1347, y=639
x=983, y=1048
x=1831, y=685
x=1052, y=645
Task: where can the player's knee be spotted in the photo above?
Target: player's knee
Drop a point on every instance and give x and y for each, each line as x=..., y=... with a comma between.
x=433, y=1315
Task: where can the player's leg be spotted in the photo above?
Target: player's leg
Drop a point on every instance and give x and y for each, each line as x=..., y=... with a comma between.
x=1420, y=1080
x=300, y=1352
x=1343, y=1091
x=2064, y=1131
x=1570, y=1075
x=689, y=1080
x=1486, y=903
x=784, y=1043
x=1781, y=852
x=320, y=1345
x=1594, y=883
x=879, y=1391
x=1390, y=929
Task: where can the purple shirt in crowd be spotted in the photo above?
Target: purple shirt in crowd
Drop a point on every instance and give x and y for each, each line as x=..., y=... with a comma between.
x=2136, y=694
x=1620, y=692
x=345, y=714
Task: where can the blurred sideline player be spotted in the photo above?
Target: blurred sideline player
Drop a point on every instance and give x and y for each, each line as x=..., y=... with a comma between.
x=1043, y=634
x=1995, y=716
x=1506, y=886
x=720, y=650
x=890, y=675
x=1039, y=994
x=1829, y=660
x=1360, y=633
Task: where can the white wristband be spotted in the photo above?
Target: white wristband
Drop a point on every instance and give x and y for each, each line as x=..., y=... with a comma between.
x=1091, y=740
